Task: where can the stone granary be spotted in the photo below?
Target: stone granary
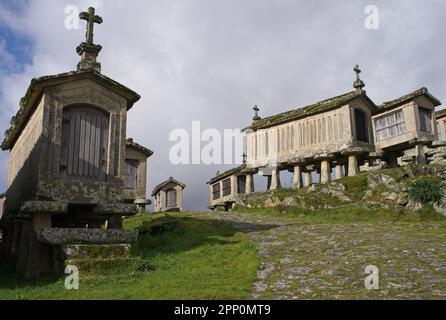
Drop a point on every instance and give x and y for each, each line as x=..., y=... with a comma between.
x=135, y=174
x=67, y=163
x=441, y=125
x=334, y=138
x=225, y=187
x=168, y=196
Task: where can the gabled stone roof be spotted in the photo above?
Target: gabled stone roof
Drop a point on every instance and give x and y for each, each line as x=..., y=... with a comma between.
x=312, y=109
x=227, y=173
x=162, y=184
x=133, y=144
x=36, y=87
x=440, y=113
x=410, y=96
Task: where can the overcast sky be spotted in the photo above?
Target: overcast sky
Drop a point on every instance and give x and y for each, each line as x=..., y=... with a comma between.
x=211, y=61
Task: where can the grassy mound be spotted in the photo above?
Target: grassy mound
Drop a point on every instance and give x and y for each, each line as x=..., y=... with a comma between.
x=177, y=256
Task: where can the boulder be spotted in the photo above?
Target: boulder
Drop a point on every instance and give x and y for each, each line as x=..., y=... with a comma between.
x=389, y=196
x=375, y=179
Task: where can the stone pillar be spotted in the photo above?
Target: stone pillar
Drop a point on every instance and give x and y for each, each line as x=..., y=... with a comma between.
x=179, y=191
x=308, y=180
x=420, y=157
x=353, y=168
x=249, y=184
x=297, y=177
x=234, y=186
x=325, y=171
x=338, y=172
x=275, y=179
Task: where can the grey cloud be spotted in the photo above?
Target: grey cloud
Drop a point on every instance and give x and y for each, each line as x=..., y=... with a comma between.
x=213, y=60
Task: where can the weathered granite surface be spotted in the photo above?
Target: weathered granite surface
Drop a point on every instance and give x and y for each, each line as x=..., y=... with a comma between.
x=117, y=208
x=108, y=251
x=58, y=236
x=44, y=206
x=327, y=261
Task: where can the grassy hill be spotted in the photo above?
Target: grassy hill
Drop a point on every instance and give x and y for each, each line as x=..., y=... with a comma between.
x=177, y=256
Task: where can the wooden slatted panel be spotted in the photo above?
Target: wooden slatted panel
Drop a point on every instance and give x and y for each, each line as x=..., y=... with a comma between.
x=171, y=198
x=131, y=174
x=65, y=141
x=103, y=149
x=84, y=143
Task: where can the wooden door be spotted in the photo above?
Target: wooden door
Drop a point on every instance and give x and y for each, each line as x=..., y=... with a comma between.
x=131, y=174
x=171, y=198
x=84, y=144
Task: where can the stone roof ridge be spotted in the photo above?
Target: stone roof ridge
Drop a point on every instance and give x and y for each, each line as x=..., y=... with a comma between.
x=38, y=84
x=419, y=92
x=310, y=109
x=440, y=113
x=130, y=142
x=226, y=173
x=162, y=184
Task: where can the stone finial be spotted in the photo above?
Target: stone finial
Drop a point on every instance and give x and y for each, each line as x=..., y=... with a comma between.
x=256, y=113
x=88, y=50
x=358, y=84
x=244, y=155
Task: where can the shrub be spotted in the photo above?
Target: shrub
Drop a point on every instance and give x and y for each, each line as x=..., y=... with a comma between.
x=427, y=190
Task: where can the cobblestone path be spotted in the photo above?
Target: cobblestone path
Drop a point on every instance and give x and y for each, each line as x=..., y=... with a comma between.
x=328, y=261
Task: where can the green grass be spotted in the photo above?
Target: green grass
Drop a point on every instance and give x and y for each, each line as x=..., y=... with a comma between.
x=348, y=214
x=177, y=256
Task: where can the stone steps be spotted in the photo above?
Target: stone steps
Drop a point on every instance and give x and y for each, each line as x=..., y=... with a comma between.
x=101, y=266
x=98, y=259
x=98, y=251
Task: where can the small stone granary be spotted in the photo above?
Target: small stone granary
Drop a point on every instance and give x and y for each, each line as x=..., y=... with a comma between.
x=333, y=138
x=67, y=165
x=225, y=187
x=441, y=125
x=168, y=196
x=135, y=174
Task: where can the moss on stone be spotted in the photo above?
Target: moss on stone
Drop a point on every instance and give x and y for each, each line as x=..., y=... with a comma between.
x=305, y=111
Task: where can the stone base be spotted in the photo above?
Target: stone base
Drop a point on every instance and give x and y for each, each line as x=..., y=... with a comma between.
x=60, y=236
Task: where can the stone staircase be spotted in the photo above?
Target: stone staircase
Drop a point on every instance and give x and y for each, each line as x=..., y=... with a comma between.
x=97, y=259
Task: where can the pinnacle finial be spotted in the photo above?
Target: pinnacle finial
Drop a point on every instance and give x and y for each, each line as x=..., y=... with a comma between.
x=256, y=113
x=88, y=50
x=358, y=84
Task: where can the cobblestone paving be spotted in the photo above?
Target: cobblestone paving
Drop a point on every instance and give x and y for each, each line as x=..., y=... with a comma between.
x=328, y=261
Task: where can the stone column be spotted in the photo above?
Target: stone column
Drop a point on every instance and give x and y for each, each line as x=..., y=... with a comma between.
x=325, y=171
x=338, y=171
x=179, y=191
x=275, y=179
x=234, y=186
x=297, y=177
x=249, y=184
x=308, y=180
x=353, y=168
x=420, y=157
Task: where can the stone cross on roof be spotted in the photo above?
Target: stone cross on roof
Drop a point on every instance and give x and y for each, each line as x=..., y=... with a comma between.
x=88, y=50
x=91, y=19
x=358, y=84
x=256, y=113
